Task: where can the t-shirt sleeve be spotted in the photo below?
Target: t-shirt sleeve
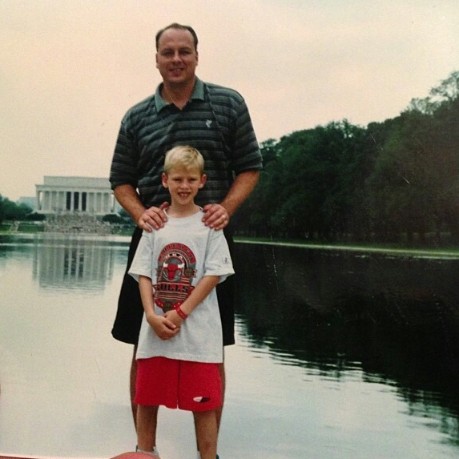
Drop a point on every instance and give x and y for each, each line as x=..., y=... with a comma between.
x=218, y=259
x=142, y=264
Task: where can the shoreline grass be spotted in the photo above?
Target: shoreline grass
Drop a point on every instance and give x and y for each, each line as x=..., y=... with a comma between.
x=396, y=249
x=364, y=247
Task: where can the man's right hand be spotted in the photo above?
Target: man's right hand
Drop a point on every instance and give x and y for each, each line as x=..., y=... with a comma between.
x=153, y=218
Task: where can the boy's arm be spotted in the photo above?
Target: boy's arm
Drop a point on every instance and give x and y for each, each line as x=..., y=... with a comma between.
x=197, y=296
x=161, y=325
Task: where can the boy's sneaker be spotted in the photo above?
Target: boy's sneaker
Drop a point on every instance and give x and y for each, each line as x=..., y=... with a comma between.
x=154, y=453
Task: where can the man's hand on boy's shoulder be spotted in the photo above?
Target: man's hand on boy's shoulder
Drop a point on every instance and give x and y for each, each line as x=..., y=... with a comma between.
x=153, y=218
x=215, y=216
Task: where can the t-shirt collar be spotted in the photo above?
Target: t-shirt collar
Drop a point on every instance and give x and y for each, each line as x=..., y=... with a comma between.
x=197, y=94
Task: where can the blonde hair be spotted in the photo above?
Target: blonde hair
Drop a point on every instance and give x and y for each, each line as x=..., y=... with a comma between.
x=183, y=156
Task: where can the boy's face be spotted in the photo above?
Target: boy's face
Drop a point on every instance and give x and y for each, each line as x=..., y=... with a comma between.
x=183, y=184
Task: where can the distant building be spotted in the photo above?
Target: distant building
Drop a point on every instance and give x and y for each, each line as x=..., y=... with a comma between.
x=82, y=195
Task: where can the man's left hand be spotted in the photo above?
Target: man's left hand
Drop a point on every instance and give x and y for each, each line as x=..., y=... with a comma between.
x=215, y=216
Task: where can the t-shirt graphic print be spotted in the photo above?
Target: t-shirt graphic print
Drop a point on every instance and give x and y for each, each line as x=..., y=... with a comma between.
x=175, y=272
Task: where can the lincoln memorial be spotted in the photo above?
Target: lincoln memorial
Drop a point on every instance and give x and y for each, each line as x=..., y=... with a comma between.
x=82, y=195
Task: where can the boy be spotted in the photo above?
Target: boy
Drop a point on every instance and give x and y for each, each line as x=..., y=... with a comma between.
x=180, y=342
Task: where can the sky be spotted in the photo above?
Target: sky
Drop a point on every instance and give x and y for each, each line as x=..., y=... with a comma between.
x=70, y=69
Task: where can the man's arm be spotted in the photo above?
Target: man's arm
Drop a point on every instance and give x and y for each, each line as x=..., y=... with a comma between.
x=146, y=219
x=217, y=216
x=129, y=200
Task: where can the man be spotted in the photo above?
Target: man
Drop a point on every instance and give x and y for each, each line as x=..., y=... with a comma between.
x=183, y=111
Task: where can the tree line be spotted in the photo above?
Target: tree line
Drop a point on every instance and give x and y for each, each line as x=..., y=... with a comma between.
x=9, y=210
x=396, y=180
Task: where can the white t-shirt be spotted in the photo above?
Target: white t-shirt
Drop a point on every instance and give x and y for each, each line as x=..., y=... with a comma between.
x=176, y=257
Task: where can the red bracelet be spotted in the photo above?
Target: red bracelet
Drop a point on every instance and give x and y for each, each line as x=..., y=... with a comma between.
x=181, y=314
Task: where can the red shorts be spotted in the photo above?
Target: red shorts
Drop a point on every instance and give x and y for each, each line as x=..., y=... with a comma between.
x=191, y=386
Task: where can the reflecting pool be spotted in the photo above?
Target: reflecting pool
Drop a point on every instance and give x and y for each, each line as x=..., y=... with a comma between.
x=338, y=355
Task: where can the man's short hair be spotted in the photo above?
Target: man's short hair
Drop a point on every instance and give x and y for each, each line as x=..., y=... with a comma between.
x=176, y=25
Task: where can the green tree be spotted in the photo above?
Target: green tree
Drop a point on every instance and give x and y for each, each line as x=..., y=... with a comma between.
x=11, y=211
x=388, y=180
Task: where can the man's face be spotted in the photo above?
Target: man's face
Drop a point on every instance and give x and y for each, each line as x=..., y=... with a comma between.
x=177, y=57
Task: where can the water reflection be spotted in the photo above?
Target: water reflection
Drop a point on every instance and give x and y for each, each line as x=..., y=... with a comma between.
x=338, y=355
x=67, y=261
x=72, y=263
x=396, y=319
